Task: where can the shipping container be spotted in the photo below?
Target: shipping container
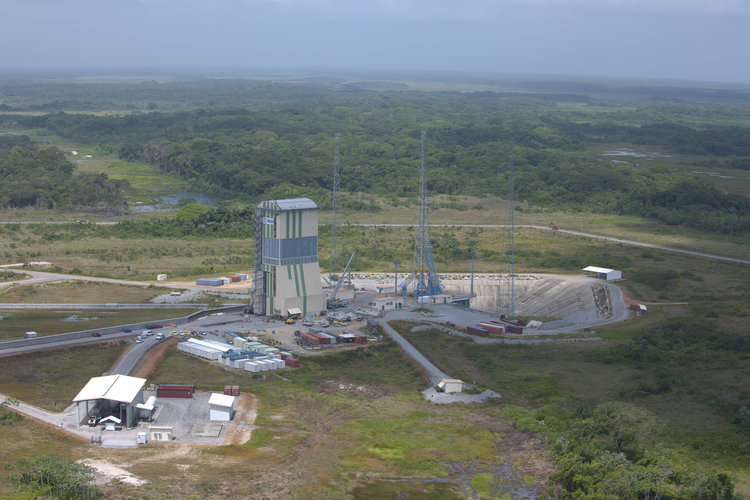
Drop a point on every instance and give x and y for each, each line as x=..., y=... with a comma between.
x=493, y=328
x=294, y=363
x=209, y=282
x=175, y=391
x=473, y=330
x=252, y=366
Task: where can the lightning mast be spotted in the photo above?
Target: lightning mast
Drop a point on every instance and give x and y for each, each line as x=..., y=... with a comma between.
x=335, y=222
x=509, y=296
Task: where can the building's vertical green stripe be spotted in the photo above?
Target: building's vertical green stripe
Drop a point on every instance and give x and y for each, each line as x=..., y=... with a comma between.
x=296, y=280
x=271, y=276
x=289, y=272
x=300, y=224
x=304, y=290
x=287, y=224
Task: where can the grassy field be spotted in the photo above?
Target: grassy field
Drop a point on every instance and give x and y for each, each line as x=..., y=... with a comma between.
x=82, y=249
x=28, y=438
x=341, y=425
x=51, y=379
x=81, y=292
x=15, y=323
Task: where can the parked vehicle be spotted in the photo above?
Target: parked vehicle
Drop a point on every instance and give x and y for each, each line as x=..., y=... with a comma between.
x=96, y=334
x=159, y=336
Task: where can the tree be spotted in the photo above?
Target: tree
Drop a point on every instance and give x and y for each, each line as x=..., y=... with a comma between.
x=623, y=426
x=56, y=477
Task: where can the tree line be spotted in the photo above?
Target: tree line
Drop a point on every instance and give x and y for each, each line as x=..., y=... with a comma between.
x=35, y=177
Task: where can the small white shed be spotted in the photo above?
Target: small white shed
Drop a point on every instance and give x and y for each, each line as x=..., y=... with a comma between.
x=221, y=407
x=110, y=422
x=603, y=273
x=451, y=385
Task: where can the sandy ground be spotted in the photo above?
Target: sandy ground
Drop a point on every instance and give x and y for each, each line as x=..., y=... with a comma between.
x=241, y=428
x=108, y=472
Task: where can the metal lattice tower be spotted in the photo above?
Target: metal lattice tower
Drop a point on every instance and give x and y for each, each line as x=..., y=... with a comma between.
x=259, y=281
x=335, y=220
x=507, y=297
x=425, y=278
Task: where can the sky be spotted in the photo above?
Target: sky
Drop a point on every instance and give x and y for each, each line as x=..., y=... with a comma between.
x=699, y=40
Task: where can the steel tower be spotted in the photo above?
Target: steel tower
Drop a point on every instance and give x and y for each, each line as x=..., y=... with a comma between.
x=335, y=258
x=507, y=297
x=424, y=277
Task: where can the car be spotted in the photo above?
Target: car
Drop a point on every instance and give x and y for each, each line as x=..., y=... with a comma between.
x=202, y=333
x=127, y=330
x=159, y=336
x=96, y=334
x=157, y=326
x=139, y=340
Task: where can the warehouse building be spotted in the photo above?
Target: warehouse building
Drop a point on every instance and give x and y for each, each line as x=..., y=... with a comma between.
x=287, y=274
x=603, y=273
x=115, y=396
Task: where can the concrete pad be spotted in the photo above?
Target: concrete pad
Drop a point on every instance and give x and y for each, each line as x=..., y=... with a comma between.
x=206, y=429
x=119, y=443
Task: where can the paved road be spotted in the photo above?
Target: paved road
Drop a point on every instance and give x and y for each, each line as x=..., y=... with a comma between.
x=109, y=305
x=576, y=233
x=65, y=420
x=435, y=374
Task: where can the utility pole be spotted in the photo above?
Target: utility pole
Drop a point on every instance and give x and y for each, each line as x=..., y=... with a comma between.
x=395, y=278
x=471, y=293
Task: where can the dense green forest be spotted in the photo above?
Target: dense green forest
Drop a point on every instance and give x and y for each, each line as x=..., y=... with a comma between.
x=36, y=177
x=257, y=139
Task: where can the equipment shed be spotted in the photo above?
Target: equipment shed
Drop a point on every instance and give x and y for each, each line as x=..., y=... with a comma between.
x=221, y=407
x=451, y=385
x=603, y=273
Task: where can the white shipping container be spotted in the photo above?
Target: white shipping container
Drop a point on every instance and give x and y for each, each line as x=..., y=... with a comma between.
x=251, y=366
x=161, y=277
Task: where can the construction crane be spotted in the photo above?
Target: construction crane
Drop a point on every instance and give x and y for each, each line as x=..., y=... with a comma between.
x=332, y=299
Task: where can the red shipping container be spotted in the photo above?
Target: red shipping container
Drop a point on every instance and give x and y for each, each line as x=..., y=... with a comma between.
x=492, y=328
x=473, y=330
x=175, y=391
x=294, y=363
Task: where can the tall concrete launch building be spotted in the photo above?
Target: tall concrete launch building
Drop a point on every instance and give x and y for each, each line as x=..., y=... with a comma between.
x=287, y=272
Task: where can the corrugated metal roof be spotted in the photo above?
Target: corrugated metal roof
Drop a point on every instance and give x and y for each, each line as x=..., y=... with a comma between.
x=120, y=388
x=594, y=269
x=293, y=204
x=223, y=400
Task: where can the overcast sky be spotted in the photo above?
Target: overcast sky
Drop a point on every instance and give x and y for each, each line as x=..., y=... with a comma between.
x=706, y=40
